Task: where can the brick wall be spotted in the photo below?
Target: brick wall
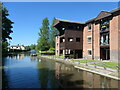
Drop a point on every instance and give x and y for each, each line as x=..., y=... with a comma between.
x=119, y=38
x=57, y=46
x=114, y=39
x=96, y=41
x=87, y=45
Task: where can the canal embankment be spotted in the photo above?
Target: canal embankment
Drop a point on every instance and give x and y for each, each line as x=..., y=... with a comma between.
x=108, y=72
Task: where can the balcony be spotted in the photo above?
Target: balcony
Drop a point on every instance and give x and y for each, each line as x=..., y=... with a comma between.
x=104, y=26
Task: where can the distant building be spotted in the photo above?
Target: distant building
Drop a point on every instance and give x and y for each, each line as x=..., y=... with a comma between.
x=17, y=47
x=97, y=38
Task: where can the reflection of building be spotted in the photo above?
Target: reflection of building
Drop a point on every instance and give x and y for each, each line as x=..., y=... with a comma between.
x=98, y=38
x=92, y=80
x=20, y=56
x=17, y=47
x=17, y=56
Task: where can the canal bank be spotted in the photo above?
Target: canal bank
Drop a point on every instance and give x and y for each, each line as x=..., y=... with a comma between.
x=107, y=72
x=24, y=71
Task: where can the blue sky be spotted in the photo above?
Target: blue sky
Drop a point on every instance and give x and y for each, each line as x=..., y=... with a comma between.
x=28, y=16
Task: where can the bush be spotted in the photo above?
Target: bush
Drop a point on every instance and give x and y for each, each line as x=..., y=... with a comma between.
x=51, y=49
x=49, y=52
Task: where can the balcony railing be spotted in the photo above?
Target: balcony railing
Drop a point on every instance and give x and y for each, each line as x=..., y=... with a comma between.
x=104, y=43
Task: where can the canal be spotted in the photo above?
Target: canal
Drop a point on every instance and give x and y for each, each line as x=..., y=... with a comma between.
x=24, y=71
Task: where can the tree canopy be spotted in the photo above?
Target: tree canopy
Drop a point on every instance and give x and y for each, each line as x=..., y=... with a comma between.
x=6, y=29
x=53, y=33
x=43, y=41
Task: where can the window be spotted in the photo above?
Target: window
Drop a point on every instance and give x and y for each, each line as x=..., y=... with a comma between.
x=104, y=25
x=89, y=27
x=77, y=39
x=63, y=28
x=89, y=52
x=104, y=39
x=70, y=39
x=89, y=39
x=61, y=51
x=62, y=40
x=71, y=51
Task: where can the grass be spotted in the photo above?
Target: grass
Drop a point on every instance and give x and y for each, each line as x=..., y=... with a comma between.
x=57, y=56
x=84, y=60
x=111, y=65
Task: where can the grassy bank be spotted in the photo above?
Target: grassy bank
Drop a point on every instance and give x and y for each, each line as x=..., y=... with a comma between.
x=112, y=65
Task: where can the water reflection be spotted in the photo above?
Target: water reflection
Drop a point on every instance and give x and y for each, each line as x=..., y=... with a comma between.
x=24, y=71
x=33, y=58
x=46, y=72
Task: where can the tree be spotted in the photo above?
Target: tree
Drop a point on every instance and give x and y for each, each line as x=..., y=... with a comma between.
x=6, y=29
x=32, y=46
x=42, y=43
x=53, y=33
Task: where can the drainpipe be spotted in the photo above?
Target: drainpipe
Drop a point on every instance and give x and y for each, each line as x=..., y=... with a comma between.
x=93, y=41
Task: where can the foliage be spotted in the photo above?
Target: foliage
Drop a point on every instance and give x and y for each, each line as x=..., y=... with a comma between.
x=42, y=43
x=4, y=47
x=52, y=49
x=53, y=33
x=6, y=25
x=6, y=29
x=32, y=46
x=47, y=52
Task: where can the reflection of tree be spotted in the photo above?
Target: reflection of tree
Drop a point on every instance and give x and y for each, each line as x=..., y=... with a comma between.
x=47, y=74
x=33, y=58
x=43, y=74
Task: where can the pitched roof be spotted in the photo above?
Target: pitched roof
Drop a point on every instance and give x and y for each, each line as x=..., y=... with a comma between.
x=66, y=21
x=115, y=10
x=90, y=20
x=103, y=14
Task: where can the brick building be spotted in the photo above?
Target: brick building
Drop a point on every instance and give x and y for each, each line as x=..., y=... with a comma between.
x=97, y=38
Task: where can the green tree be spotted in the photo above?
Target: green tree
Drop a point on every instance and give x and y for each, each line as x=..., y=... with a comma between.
x=53, y=33
x=42, y=43
x=6, y=29
x=32, y=46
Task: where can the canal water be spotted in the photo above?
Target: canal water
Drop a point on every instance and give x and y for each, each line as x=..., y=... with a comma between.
x=24, y=71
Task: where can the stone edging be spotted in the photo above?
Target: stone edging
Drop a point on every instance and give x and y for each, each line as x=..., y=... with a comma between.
x=107, y=73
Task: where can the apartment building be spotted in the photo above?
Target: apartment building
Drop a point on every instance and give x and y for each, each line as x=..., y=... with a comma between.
x=97, y=38
x=69, y=42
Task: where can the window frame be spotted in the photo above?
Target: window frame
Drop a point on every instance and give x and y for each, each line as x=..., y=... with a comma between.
x=88, y=52
x=89, y=26
x=91, y=39
x=70, y=38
